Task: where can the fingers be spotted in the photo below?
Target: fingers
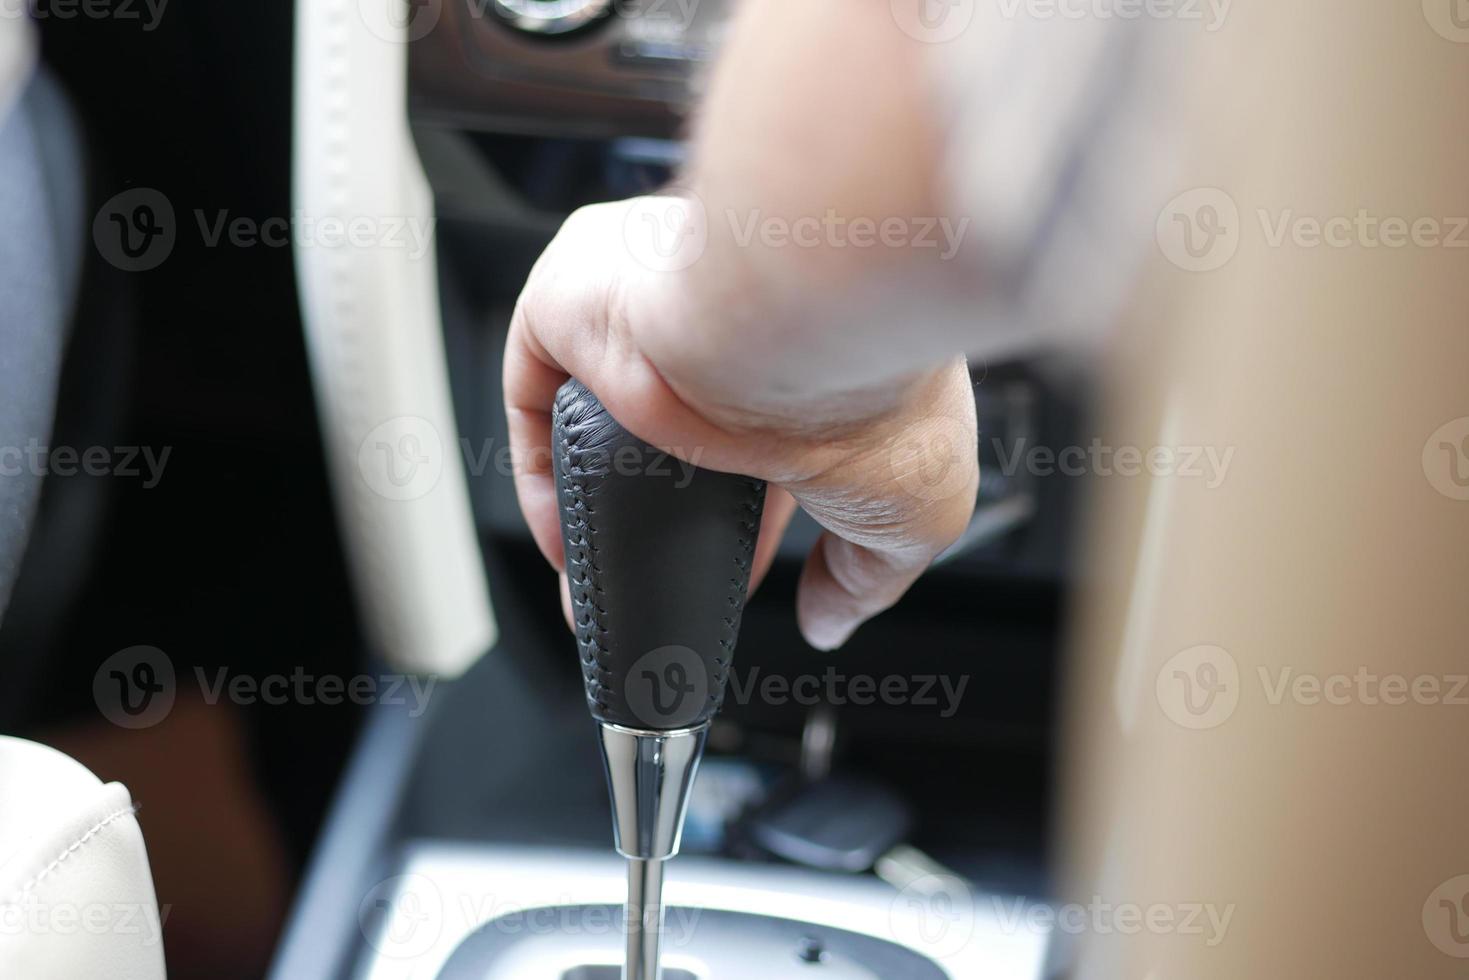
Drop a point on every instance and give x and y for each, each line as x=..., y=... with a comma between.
x=566, y=610
x=845, y=584
x=890, y=510
x=568, y=322
x=780, y=507
x=531, y=378
x=559, y=329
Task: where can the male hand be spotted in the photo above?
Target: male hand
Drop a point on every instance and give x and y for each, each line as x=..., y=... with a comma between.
x=889, y=470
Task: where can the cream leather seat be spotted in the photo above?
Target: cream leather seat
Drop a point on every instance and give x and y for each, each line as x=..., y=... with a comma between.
x=76, y=893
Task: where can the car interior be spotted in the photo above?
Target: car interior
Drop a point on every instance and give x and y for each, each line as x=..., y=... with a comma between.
x=296, y=609
x=516, y=124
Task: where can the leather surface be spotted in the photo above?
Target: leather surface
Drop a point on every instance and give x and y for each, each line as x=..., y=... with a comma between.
x=375, y=340
x=658, y=554
x=76, y=892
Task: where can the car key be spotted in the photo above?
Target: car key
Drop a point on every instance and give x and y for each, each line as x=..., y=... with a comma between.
x=658, y=558
x=845, y=823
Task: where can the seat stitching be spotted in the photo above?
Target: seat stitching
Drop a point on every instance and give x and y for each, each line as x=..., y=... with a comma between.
x=76, y=845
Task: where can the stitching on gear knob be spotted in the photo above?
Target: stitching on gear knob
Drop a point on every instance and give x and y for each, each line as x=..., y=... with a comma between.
x=658, y=558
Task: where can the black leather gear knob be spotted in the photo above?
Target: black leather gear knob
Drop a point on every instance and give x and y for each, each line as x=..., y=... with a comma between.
x=658, y=554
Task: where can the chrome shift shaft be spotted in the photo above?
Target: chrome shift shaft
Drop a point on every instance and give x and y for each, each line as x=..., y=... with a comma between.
x=658, y=560
x=644, y=919
x=649, y=775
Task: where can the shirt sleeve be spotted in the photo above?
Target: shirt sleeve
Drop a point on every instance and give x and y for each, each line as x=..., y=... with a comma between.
x=1059, y=142
x=17, y=56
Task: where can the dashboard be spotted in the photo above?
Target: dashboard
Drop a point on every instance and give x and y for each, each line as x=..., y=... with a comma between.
x=562, y=67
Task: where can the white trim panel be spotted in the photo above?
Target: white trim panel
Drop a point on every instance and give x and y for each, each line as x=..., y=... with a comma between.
x=365, y=261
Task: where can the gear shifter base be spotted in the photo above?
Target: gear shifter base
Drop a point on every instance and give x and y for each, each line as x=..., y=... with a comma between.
x=705, y=944
x=649, y=775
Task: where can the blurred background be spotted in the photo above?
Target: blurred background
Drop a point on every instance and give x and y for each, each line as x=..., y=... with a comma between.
x=222, y=557
x=1320, y=534
x=231, y=559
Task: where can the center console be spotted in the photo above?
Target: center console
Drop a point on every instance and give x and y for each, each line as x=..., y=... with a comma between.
x=496, y=913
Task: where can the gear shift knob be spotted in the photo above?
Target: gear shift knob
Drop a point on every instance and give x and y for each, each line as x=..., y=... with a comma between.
x=658, y=557
x=658, y=554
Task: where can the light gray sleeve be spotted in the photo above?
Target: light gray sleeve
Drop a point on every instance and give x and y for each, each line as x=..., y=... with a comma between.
x=1060, y=140
x=17, y=57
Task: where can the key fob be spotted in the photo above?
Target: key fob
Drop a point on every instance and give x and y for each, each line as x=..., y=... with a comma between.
x=843, y=823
